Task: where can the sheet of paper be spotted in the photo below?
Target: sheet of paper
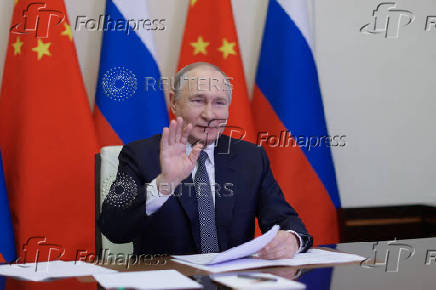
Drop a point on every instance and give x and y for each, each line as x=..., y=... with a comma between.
x=235, y=282
x=54, y=269
x=312, y=257
x=163, y=279
x=244, y=250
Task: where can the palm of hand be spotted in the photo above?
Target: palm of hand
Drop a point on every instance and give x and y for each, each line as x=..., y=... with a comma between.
x=175, y=163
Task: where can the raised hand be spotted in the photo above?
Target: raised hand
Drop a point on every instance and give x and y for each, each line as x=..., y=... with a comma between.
x=174, y=162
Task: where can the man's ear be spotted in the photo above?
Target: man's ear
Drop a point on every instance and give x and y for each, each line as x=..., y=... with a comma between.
x=173, y=102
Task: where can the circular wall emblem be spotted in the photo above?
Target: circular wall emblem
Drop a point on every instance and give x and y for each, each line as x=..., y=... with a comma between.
x=119, y=83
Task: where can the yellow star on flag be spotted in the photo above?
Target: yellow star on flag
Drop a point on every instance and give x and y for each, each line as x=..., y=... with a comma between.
x=16, y=1
x=42, y=48
x=17, y=46
x=227, y=48
x=200, y=46
x=193, y=2
x=67, y=31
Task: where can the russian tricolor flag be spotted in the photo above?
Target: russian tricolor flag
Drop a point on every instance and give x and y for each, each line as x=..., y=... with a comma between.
x=7, y=244
x=128, y=106
x=287, y=98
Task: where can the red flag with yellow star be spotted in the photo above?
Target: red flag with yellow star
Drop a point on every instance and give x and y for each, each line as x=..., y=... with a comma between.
x=46, y=136
x=210, y=36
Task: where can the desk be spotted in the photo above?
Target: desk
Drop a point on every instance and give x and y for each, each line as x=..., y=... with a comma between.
x=411, y=265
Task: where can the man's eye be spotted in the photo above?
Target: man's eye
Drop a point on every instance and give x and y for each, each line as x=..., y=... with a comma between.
x=197, y=100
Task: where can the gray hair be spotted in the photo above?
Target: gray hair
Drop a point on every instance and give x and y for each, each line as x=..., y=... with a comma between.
x=180, y=76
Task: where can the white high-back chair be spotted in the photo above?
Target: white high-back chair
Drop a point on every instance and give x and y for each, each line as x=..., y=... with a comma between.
x=107, y=172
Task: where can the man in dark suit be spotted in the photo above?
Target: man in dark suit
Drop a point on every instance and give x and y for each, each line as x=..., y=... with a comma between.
x=194, y=190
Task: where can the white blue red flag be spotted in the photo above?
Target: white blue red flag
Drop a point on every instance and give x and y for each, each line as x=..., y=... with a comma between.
x=7, y=244
x=126, y=108
x=290, y=119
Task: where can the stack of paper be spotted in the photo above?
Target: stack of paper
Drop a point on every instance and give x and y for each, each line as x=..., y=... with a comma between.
x=54, y=269
x=236, y=281
x=313, y=256
x=244, y=250
x=163, y=279
x=238, y=258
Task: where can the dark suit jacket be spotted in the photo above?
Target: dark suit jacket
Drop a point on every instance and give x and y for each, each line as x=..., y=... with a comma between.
x=246, y=189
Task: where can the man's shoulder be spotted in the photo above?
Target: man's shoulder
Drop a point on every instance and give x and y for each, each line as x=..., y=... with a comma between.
x=237, y=146
x=151, y=143
x=225, y=144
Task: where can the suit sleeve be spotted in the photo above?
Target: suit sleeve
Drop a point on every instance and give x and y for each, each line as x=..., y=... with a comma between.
x=273, y=209
x=123, y=210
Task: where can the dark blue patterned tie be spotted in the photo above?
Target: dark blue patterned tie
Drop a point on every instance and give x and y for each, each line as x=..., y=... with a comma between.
x=206, y=208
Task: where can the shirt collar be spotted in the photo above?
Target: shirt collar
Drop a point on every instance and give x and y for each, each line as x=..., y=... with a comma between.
x=210, y=149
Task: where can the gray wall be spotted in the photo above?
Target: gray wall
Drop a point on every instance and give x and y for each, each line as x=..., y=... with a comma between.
x=379, y=92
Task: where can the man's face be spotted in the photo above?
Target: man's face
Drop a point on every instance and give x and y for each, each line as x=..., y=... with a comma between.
x=203, y=102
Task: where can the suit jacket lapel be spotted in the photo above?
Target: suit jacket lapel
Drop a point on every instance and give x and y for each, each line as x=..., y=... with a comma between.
x=224, y=199
x=186, y=195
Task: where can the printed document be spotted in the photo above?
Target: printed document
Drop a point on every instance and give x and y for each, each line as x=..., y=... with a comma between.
x=244, y=250
x=162, y=279
x=312, y=257
x=53, y=269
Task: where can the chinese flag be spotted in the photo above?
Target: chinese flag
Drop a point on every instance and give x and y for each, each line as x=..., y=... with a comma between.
x=46, y=135
x=210, y=36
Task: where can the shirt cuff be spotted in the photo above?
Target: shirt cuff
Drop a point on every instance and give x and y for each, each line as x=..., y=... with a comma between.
x=299, y=239
x=155, y=199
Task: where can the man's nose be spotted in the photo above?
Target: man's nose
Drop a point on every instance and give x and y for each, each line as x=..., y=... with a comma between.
x=208, y=113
